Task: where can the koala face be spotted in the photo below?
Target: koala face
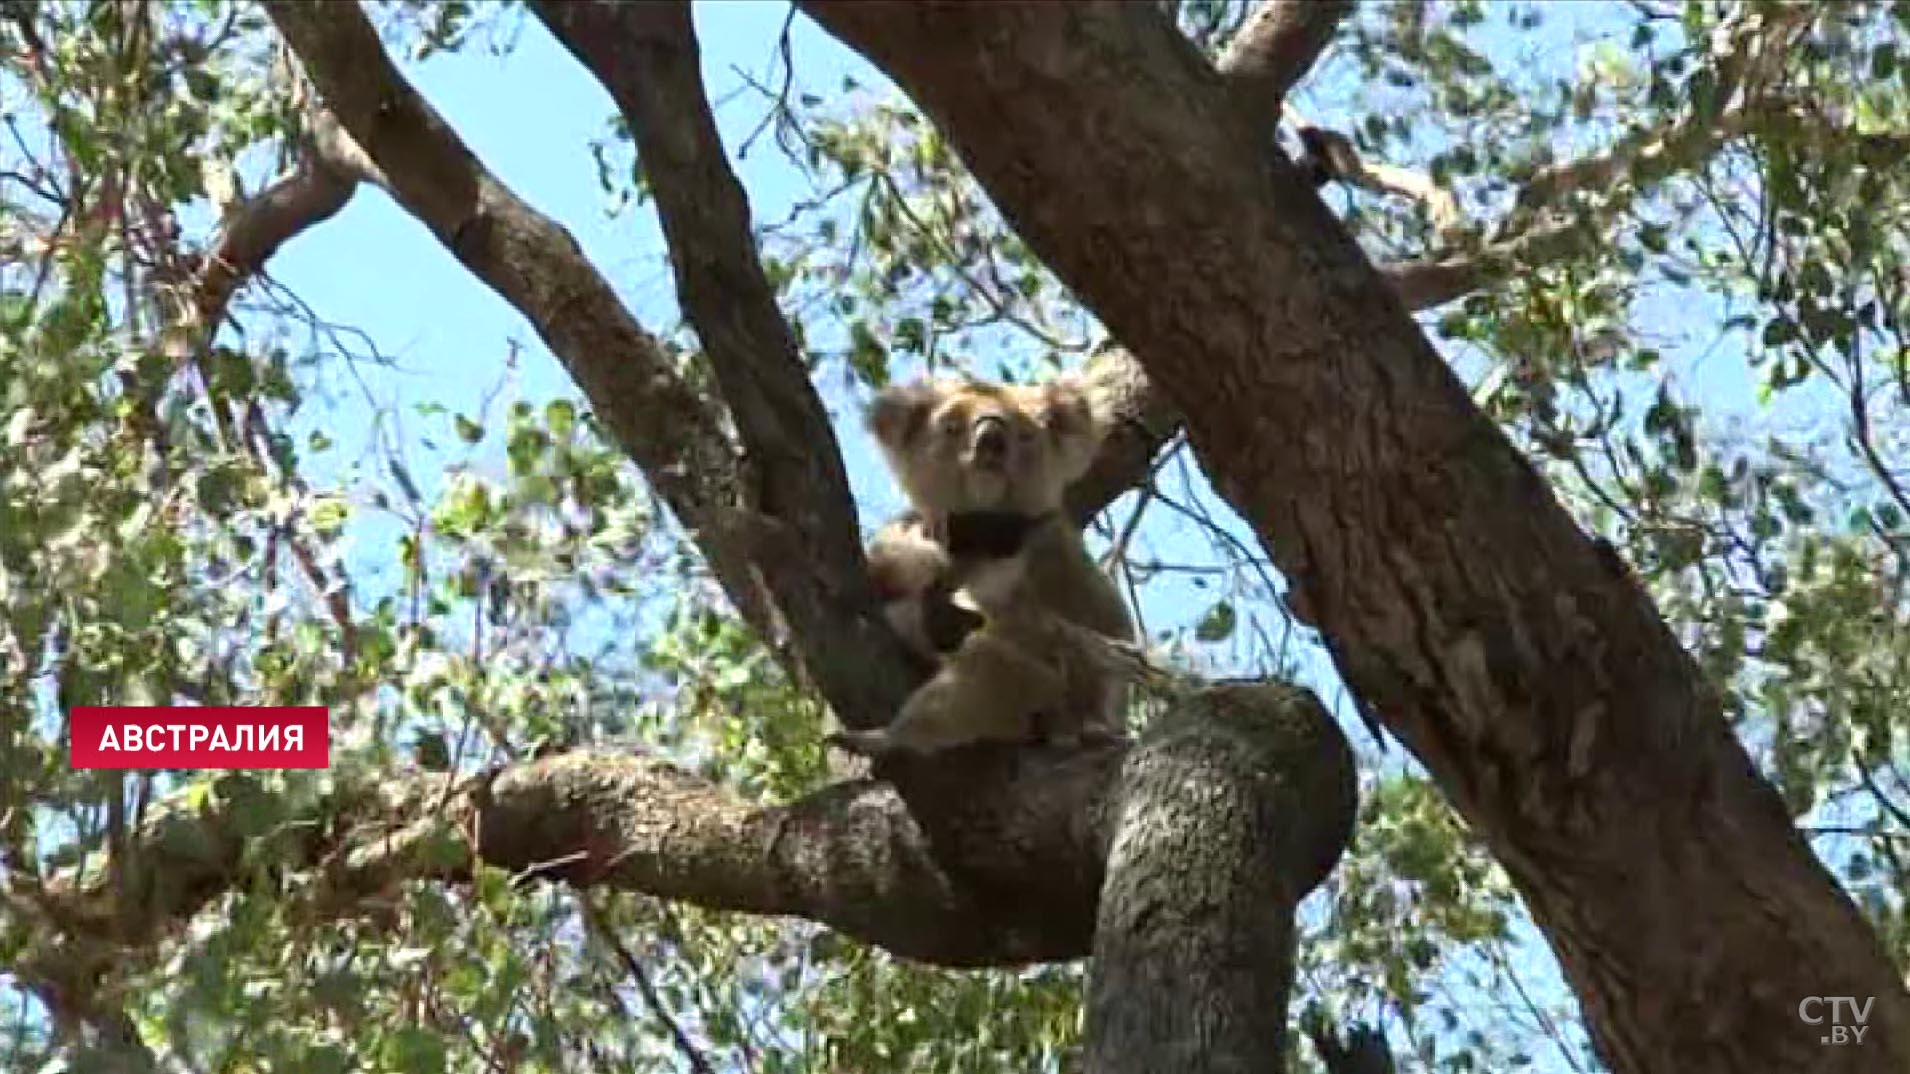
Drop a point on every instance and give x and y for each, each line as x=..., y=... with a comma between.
x=977, y=446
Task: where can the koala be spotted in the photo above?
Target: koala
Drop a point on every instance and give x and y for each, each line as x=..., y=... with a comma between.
x=974, y=575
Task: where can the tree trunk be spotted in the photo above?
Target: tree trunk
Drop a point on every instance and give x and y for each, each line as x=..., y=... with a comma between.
x=1517, y=658
x=1215, y=826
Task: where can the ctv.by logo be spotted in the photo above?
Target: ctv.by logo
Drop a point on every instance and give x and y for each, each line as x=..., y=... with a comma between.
x=1847, y=1017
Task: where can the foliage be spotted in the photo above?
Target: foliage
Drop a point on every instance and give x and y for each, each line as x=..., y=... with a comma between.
x=1716, y=382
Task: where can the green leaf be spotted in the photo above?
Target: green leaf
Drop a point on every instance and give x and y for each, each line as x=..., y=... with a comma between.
x=561, y=416
x=410, y=1050
x=1217, y=625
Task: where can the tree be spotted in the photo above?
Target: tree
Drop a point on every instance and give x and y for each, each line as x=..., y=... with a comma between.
x=1534, y=669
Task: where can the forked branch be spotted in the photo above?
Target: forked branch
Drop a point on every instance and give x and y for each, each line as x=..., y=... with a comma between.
x=731, y=502
x=1540, y=229
x=646, y=56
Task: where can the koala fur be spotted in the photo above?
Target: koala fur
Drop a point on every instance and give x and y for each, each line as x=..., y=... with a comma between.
x=973, y=575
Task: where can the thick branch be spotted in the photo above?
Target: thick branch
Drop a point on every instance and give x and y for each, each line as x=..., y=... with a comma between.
x=1277, y=46
x=850, y=856
x=995, y=858
x=1527, y=671
x=646, y=56
x=1193, y=949
x=1538, y=231
x=729, y=503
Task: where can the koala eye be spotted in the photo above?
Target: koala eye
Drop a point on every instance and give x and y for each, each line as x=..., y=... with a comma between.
x=951, y=424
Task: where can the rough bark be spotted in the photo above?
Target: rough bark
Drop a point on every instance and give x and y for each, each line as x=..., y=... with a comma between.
x=1276, y=47
x=1520, y=662
x=1164, y=918
x=1005, y=827
x=1193, y=949
x=991, y=856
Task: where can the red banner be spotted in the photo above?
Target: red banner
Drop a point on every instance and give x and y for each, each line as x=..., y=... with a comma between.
x=192, y=737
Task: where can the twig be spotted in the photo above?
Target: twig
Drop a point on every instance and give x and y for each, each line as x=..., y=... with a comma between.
x=651, y=999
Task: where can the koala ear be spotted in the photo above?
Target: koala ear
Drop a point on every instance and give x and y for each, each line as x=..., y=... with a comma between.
x=1068, y=412
x=1067, y=408
x=898, y=413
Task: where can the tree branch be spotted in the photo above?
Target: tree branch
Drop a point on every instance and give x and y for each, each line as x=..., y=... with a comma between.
x=250, y=233
x=699, y=1063
x=1199, y=980
x=995, y=857
x=1275, y=48
x=1334, y=156
x=254, y=230
x=646, y=56
x=727, y=500
x=1536, y=232
x=1143, y=422
x=1541, y=228
x=1360, y=1050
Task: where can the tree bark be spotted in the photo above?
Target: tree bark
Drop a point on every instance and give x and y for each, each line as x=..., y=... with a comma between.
x=988, y=856
x=1518, y=659
x=646, y=55
x=1274, y=50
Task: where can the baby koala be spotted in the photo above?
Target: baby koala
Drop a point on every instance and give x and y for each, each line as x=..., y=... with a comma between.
x=974, y=576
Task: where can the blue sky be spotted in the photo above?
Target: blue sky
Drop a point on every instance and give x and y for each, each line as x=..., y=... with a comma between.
x=531, y=117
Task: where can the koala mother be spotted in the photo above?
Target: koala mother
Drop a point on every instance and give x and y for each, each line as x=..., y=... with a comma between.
x=973, y=574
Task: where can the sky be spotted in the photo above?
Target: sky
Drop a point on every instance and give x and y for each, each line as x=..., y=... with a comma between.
x=374, y=268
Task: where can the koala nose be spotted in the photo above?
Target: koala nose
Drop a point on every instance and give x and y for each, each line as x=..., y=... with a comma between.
x=990, y=442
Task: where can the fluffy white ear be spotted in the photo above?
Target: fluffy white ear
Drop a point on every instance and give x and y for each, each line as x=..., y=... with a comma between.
x=899, y=412
x=1073, y=422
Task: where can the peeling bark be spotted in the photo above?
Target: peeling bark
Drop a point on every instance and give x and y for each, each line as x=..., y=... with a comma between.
x=1524, y=666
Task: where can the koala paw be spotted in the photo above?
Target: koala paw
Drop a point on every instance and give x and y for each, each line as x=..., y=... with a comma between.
x=874, y=744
